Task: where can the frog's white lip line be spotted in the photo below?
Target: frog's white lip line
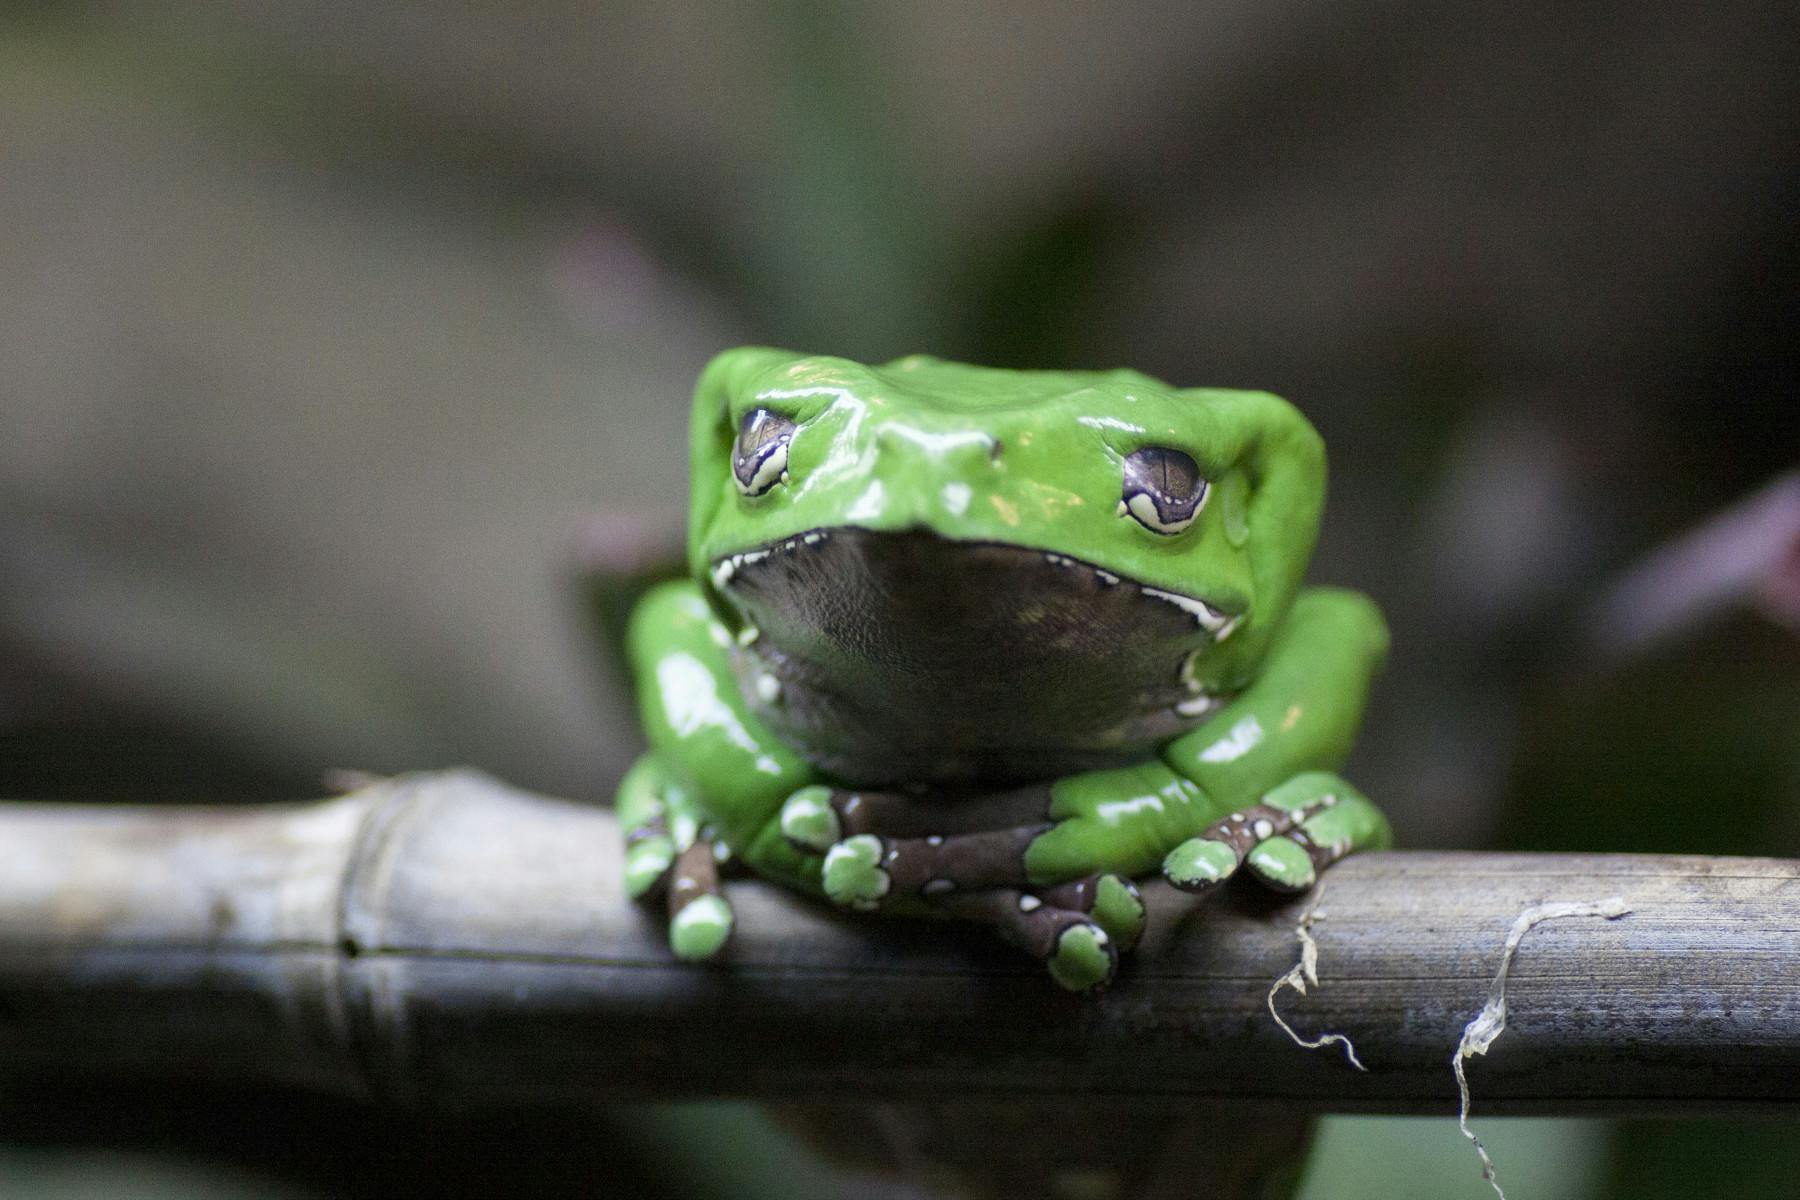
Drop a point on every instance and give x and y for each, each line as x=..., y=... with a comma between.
x=1215, y=621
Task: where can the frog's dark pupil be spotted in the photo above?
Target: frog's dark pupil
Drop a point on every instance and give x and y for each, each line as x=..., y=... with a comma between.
x=1170, y=478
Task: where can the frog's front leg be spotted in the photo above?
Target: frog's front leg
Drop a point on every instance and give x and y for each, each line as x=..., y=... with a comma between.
x=1277, y=745
x=1267, y=754
x=714, y=778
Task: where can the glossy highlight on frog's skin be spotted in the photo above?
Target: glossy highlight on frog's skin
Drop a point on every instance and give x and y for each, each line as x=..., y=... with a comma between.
x=989, y=643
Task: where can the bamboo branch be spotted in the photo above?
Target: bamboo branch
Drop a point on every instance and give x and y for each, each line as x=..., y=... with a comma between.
x=445, y=939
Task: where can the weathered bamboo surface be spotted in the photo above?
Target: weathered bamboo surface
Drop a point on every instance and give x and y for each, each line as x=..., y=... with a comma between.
x=443, y=939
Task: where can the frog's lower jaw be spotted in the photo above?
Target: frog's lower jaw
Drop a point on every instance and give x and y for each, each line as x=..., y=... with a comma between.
x=907, y=657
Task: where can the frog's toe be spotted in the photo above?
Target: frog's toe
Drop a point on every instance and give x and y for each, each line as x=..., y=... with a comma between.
x=1084, y=957
x=853, y=874
x=1113, y=901
x=647, y=862
x=700, y=918
x=1282, y=864
x=1073, y=943
x=1200, y=864
x=701, y=927
x=810, y=821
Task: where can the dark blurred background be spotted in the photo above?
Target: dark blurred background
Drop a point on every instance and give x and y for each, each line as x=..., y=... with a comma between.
x=326, y=326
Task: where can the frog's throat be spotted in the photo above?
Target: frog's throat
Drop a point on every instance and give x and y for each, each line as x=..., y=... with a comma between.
x=888, y=656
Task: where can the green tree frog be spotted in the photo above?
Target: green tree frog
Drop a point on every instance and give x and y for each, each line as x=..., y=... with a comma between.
x=992, y=644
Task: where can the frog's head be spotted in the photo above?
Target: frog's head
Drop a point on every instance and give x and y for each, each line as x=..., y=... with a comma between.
x=946, y=572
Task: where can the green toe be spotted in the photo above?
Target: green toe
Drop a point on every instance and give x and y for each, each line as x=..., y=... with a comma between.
x=645, y=863
x=853, y=876
x=700, y=928
x=1119, y=909
x=1199, y=863
x=1083, y=958
x=807, y=819
x=1282, y=865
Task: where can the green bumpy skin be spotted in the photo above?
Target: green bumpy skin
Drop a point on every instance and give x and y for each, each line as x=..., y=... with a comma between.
x=920, y=586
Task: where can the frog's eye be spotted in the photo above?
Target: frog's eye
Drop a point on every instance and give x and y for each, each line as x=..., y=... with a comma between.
x=1163, y=489
x=759, y=459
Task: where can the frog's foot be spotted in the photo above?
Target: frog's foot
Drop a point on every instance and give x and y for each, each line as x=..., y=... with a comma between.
x=1297, y=830
x=868, y=871
x=1076, y=947
x=967, y=859
x=700, y=918
x=670, y=856
x=1113, y=901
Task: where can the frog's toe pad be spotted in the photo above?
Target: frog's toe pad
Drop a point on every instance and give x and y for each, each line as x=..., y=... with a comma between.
x=1084, y=958
x=701, y=928
x=1199, y=864
x=647, y=861
x=853, y=876
x=1282, y=864
x=809, y=821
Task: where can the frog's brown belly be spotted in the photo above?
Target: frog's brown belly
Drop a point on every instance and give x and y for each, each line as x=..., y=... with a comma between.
x=891, y=658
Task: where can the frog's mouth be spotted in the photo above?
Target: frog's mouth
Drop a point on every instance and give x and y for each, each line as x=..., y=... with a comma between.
x=906, y=656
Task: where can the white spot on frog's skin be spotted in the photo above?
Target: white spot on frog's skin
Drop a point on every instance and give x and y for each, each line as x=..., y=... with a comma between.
x=768, y=688
x=1204, y=614
x=867, y=506
x=1240, y=740
x=1196, y=706
x=956, y=498
x=1106, y=577
x=1029, y=903
x=1109, y=423
x=938, y=445
x=1263, y=829
x=692, y=704
x=747, y=635
x=722, y=573
x=936, y=839
x=937, y=887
